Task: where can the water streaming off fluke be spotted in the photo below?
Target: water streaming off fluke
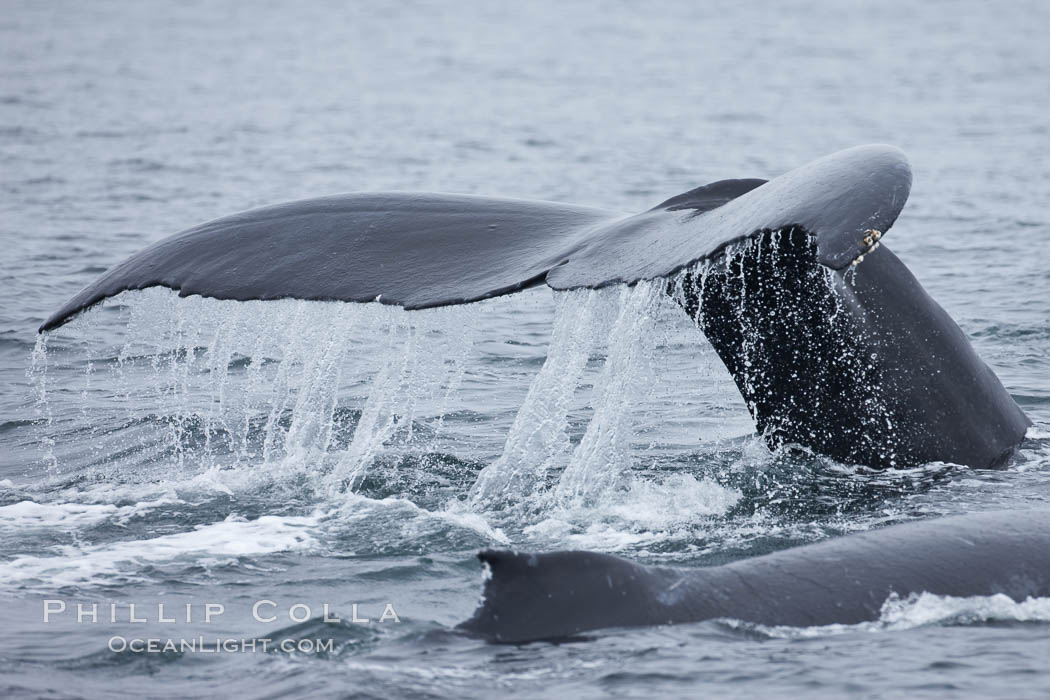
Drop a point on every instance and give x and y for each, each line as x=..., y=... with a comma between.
x=347, y=397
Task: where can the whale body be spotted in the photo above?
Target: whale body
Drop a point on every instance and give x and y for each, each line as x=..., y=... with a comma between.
x=845, y=580
x=834, y=345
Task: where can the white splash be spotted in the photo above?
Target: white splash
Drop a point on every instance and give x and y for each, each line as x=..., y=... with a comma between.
x=62, y=516
x=922, y=610
x=643, y=512
x=93, y=564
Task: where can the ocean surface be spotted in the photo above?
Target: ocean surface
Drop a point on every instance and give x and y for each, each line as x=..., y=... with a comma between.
x=191, y=452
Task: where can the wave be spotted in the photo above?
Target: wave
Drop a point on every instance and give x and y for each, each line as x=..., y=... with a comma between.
x=122, y=561
x=68, y=516
x=920, y=610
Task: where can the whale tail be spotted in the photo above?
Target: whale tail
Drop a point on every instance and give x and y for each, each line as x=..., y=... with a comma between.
x=421, y=250
x=556, y=596
x=855, y=362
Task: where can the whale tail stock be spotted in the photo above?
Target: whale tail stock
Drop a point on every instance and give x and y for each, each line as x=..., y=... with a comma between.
x=860, y=365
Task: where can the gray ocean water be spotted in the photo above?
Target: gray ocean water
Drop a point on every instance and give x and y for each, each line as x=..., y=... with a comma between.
x=195, y=452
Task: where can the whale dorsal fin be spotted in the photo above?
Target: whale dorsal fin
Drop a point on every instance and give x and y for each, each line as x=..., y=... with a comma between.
x=558, y=595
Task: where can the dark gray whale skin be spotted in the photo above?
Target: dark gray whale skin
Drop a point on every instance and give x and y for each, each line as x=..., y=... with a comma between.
x=846, y=580
x=860, y=365
x=420, y=250
x=865, y=368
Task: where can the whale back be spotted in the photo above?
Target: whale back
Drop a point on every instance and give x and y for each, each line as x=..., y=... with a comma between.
x=844, y=580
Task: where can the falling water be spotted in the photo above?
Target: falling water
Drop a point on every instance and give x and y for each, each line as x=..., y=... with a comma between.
x=603, y=455
x=276, y=385
x=625, y=328
x=538, y=438
x=336, y=396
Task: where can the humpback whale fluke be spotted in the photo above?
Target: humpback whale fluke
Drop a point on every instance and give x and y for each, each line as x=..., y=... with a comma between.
x=833, y=343
x=845, y=580
x=420, y=250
